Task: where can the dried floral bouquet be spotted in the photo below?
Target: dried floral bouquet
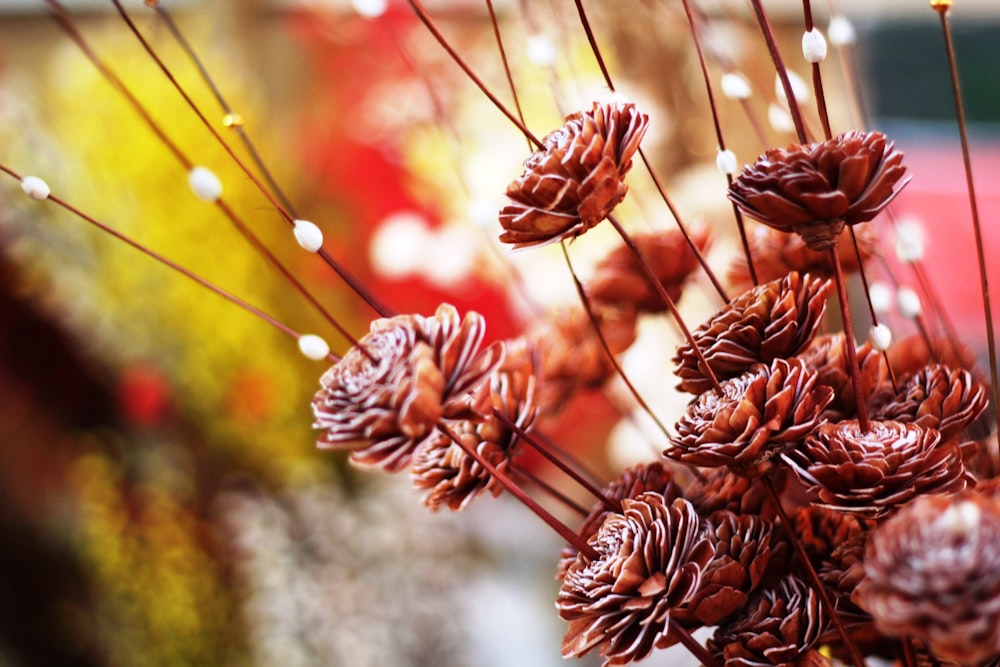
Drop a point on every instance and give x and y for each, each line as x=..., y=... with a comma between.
x=819, y=500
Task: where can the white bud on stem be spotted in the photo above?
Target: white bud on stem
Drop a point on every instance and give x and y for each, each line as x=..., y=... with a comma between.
x=909, y=241
x=308, y=235
x=313, y=347
x=813, y=47
x=881, y=296
x=205, y=184
x=541, y=51
x=725, y=161
x=880, y=337
x=908, y=303
x=35, y=187
x=735, y=86
x=841, y=31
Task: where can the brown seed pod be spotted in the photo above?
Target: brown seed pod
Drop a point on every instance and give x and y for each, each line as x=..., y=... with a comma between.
x=816, y=189
x=424, y=369
x=828, y=357
x=575, y=180
x=775, y=319
x=872, y=473
x=931, y=572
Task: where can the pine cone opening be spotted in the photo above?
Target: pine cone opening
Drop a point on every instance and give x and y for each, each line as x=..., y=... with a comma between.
x=757, y=415
x=932, y=572
x=872, y=473
x=828, y=357
x=816, y=189
x=775, y=319
x=651, y=557
x=425, y=369
x=576, y=179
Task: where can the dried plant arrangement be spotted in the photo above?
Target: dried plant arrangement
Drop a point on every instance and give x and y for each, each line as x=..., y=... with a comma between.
x=826, y=494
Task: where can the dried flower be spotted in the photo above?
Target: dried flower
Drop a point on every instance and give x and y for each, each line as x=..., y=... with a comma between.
x=633, y=482
x=776, y=319
x=939, y=397
x=742, y=553
x=754, y=418
x=828, y=357
x=776, y=253
x=931, y=572
x=651, y=559
x=424, y=369
x=722, y=490
x=619, y=278
x=871, y=473
x=573, y=358
x=450, y=475
x=816, y=189
x=779, y=627
x=575, y=180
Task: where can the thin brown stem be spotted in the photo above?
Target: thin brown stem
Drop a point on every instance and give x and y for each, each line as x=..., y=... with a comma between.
x=814, y=579
x=779, y=66
x=817, y=77
x=187, y=273
x=942, y=7
x=596, y=324
x=696, y=649
x=549, y=489
x=609, y=503
x=564, y=531
x=421, y=13
x=506, y=65
x=850, y=342
x=671, y=306
x=741, y=227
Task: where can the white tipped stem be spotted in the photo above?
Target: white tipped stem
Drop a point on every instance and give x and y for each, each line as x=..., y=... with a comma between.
x=205, y=184
x=813, y=47
x=880, y=337
x=313, y=347
x=308, y=235
x=735, y=86
x=799, y=88
x=725, y=161
x=35, y=187
x=541, y=51
x=370, y=9
x=909, y=241
x=908, y=303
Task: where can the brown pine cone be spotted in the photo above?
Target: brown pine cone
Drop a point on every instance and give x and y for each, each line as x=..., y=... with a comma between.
x=775, y=319
x=822, y=530
x=573, y=358
x=655, y=476
x=742, y=552
x=446, y=471
x=870, y=474
x=722, y=490
x=776, y=253
x=840, y=573
x=756, y=416
x=939, y=397
x=932, y=573
x=779, y=626
x=828, y=357
x=425, y=369
x=575, y=180
x=815, y=189
x=651, y=559
x=619, y=279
